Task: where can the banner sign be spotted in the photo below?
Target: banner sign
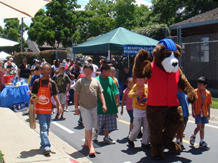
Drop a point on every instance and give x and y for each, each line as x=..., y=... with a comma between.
x=134, y=49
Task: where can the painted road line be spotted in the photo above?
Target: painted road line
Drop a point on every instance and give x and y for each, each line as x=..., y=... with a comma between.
x=123, y=121
x=63, y=127
x=206, y=124
x=127, y=162
x=185, y=141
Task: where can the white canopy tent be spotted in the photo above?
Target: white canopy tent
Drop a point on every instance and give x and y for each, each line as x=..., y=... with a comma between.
x=5, y=42
x=20, y=8
x=3, y=55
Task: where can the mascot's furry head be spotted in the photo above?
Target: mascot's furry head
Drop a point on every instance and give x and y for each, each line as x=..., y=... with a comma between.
x=166, y=55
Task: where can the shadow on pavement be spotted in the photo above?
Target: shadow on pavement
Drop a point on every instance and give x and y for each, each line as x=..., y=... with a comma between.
x=169, y=157
x=30, y=153
x=84, y=152
x=101, y=143
x=79, y=127
x=196, y=151
x=122, y=141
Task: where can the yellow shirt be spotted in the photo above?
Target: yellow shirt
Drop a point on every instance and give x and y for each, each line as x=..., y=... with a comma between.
x=140, y=100
x=29, y=79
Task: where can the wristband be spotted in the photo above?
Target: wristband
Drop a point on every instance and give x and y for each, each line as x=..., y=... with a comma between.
x=76, y=108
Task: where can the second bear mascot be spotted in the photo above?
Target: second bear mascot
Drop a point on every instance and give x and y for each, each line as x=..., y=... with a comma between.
x=164, y=112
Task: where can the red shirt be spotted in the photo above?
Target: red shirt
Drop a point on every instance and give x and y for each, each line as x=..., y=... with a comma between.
x=162, y=87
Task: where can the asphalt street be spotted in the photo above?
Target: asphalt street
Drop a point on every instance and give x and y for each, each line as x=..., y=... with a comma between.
x=69, y=131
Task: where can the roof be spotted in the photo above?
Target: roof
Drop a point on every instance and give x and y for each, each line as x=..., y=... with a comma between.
x=114, y=41
x=209, y=17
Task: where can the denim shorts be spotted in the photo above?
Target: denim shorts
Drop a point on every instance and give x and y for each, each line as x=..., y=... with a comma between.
x=202, y=120
x=130, y=112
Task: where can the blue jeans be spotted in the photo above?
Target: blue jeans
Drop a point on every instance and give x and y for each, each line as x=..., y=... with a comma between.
x=44, y=124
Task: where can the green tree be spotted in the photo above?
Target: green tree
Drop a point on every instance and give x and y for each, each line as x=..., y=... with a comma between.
x=97, y=19
x=12, y=31
x=125, y=14
x=142, y=13
x=56, y=25
x=172, y=11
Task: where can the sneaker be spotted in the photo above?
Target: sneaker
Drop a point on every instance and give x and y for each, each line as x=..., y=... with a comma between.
x=192, y=140
x=95, y=135
x=204, y=145
x=108, y=140
x=147, y=146
x=47, y=152
x=131, y=143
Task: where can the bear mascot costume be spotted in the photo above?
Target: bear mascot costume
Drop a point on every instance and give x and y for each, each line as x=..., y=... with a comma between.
x=164, y=112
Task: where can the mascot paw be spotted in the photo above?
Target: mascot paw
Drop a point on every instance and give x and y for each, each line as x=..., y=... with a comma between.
x=157, y=153
x=192, y=96
x=140, y=63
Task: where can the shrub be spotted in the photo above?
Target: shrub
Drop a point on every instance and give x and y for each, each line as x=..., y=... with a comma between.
x=155, y=31
x=49, y=56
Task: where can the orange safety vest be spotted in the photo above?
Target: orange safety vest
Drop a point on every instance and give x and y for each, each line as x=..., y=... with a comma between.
x=44, y=105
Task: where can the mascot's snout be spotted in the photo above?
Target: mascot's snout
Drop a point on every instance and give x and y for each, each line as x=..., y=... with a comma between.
x=170, y=64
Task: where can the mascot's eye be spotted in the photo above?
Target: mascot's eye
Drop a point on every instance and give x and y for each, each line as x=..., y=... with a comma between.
x=167, y=55
x=176, y=55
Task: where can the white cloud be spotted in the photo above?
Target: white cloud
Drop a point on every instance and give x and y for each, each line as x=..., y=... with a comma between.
x=82, y=8
x=143, y=2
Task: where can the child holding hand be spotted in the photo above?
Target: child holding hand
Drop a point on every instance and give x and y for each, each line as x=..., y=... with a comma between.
x=139, y=92
x=129, y=108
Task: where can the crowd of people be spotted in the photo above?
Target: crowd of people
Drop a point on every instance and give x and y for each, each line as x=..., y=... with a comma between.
x=95, y=93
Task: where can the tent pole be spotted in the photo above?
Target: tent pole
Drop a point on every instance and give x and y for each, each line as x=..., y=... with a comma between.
x=21, y=35
x=109, y=53
x=72, y=55
x=128, y=62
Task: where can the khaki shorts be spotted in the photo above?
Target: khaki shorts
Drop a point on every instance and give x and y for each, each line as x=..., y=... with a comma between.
x=62, y=98
x=89, y=117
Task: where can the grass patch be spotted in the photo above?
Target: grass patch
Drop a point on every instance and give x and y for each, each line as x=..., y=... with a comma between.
x=215, y=103
x=1, y=157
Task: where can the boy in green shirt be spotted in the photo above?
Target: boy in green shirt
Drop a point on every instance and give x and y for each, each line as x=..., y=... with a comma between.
x=107, y=121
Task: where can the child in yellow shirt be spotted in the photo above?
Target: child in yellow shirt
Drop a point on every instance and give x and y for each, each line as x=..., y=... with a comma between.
x=139, y=92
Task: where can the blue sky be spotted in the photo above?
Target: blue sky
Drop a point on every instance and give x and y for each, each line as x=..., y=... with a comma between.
x=146, y=2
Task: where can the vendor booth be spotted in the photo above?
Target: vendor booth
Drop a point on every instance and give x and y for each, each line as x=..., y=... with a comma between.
x=15, y=97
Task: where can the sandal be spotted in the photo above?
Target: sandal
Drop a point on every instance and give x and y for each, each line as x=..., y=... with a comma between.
x=56, y=117
x=92, y=154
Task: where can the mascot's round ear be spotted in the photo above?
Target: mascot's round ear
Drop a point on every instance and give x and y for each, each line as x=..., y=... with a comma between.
x=179, y=49
x=158, y=51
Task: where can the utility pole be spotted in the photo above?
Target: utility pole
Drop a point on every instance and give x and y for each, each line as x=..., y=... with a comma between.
x=21, y=35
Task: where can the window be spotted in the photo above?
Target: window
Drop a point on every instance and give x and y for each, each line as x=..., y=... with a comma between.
x=200, y=51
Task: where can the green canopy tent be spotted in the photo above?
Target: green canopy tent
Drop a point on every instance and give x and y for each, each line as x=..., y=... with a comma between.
x=113, y=41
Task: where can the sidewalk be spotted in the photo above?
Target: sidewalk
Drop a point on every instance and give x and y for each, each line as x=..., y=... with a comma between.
x=19, y=143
